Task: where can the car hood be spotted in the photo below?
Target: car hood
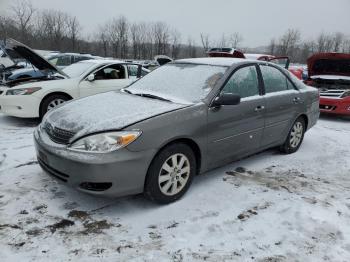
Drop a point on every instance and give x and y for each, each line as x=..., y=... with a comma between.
x=15, y=49
x=105, y=112
x=329, y=64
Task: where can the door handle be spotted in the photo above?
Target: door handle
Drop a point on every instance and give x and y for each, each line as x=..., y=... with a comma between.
x=259, y=108
x=296, y=100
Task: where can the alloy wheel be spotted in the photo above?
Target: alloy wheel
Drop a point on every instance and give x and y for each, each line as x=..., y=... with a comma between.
x=54, y=103
x=174, y=174
x=296, y=134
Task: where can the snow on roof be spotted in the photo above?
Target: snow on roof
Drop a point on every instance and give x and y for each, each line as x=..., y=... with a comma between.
x=219, y=61
x=256, y=56
x=102, y=61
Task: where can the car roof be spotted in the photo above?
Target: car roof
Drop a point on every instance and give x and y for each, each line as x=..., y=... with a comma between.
x=103, y=61
x=217, y=61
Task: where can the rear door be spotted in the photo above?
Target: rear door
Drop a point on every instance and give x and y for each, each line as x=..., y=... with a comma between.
x=108, y=78
x=235, y=131
x=282, y=104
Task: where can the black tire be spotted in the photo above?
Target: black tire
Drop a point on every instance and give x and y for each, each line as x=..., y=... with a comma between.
x=289, y=145
x=153, y=189
x=46, y=102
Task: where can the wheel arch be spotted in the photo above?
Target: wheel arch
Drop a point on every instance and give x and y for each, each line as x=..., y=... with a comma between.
x=52, y=94
x=187, y=141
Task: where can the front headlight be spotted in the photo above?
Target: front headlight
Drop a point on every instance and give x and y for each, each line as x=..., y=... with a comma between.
x=22, y=91
x=105, y=142
x=346, y=94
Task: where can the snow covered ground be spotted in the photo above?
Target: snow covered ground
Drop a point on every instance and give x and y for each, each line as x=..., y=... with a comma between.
x=269, y=207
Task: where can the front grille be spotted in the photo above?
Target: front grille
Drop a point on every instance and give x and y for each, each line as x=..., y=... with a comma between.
x=58, y=135
x=331, y=93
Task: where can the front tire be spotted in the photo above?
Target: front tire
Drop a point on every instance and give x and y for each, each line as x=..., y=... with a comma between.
x=170, y=173
x=51, y=102
x=295, y=137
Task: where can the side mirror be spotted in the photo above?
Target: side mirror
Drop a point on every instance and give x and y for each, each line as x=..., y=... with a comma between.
x=91, y=77
x=227, y=99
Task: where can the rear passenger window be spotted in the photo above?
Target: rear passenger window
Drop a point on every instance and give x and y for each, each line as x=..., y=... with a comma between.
x=244, y=82
x=274, y=80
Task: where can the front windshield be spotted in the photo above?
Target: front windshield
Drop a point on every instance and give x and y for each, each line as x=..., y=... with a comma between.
x=186, y=82
x=77, y=69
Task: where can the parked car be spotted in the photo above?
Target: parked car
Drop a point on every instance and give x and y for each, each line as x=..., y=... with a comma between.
x=283, y=61
x=330, y=73
x=60, y=60
x=184, y=118
x=33, y=97
x=225, y=52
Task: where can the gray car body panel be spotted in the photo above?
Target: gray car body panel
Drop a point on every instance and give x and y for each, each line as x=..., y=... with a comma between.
x=221, y=134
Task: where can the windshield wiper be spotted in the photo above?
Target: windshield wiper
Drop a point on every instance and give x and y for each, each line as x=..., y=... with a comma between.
x=127, y=91
x=153, y=97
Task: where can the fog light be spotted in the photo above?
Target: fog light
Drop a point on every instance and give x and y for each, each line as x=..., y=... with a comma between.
x=95, y=186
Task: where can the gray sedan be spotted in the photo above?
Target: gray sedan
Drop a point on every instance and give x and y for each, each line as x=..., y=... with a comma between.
x=184, y=118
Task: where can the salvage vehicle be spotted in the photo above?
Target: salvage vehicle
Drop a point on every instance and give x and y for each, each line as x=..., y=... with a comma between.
x=182, y=119
x=60, y=60
x=330, y=73
x=33, y=97
x=282, y=61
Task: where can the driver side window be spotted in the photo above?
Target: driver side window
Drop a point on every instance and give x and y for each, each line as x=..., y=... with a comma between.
x=244, y=82
x=111, y=72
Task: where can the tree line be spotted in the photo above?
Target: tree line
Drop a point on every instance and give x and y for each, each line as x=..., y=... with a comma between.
x=55, y=30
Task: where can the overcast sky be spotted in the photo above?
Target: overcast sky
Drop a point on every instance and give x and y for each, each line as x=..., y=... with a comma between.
x=257, y=20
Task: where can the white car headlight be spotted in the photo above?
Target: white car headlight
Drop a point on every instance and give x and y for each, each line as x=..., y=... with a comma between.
x=22, y=91
x=105, y=142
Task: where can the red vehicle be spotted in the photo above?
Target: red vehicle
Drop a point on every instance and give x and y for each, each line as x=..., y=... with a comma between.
x=330, y=73
x=231, y=52
x=225, y=52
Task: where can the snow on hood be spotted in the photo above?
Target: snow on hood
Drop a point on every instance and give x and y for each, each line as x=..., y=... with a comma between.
x=108, y=111
x=329, y=64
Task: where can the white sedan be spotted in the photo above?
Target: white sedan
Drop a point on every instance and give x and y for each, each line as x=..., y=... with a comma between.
x=85, y=78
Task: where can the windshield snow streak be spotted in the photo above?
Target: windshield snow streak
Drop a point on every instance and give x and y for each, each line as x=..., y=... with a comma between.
x=188, y=82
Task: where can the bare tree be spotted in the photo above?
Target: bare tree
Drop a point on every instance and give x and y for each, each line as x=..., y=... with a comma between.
x=235, y=39
x=338, y=41
x=288, y=42
x=175, y=43
x=73, y=30
x=272, y=46
x=205, y=41
x=23, y=12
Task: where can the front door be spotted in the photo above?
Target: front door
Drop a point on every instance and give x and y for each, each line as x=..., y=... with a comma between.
x=236, y=131
x=109, y=78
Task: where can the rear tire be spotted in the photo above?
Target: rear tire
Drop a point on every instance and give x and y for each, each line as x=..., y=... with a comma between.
x=295, y=137
x=170, y=173
x=51, y=102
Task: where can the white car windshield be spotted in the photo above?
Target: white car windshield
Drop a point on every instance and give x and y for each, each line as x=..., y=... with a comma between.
x=182, y=82
x=77, y=69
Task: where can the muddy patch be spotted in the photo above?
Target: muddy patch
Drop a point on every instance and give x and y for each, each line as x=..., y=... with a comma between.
x=253, y=211
x=77, y=214
x=97, y=227
x=291, y=181
x=60, y=225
